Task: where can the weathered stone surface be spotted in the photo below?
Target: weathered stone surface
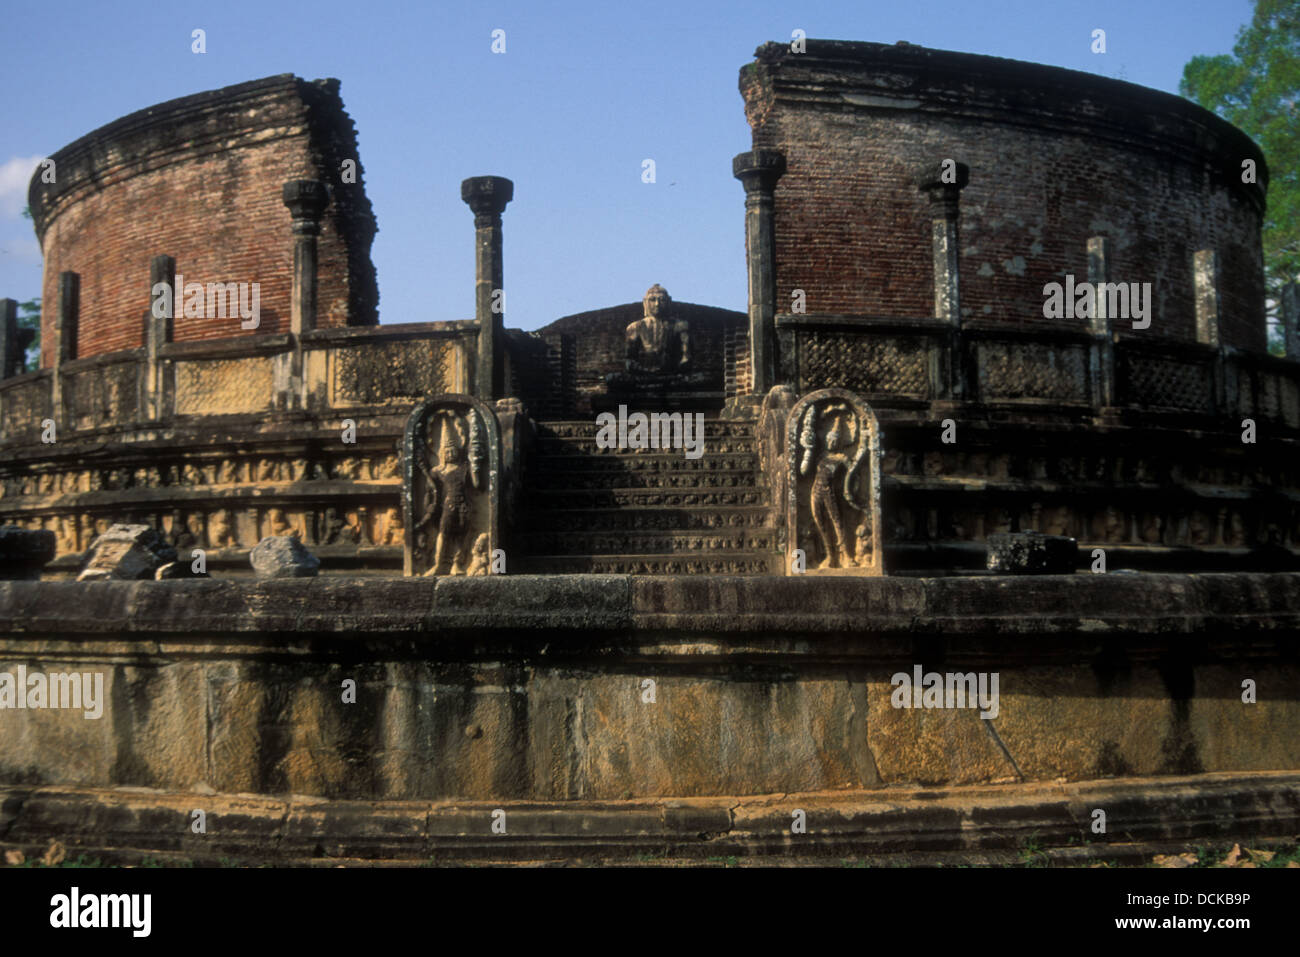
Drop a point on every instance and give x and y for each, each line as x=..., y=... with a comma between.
x=24, y=552
x=128, y=552
x=973, y=825
x=1032, y=553
x=535, y=687
x=283, y=556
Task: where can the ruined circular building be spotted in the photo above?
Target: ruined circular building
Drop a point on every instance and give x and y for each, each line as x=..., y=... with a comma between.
x=985, y=298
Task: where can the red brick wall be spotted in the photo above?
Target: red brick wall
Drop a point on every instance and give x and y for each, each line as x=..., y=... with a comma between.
x=200, y=179
x=854, y=232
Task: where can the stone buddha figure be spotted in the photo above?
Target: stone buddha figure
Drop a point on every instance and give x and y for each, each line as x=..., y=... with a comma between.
x=658, y=344
x=658, y=350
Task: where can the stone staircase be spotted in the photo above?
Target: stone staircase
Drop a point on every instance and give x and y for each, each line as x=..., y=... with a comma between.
x=626, y=511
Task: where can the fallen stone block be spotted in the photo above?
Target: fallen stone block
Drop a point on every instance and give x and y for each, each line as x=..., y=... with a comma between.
x=283, y=556
x=127, y=552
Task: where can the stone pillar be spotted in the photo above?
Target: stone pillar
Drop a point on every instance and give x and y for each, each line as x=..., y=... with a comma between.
x=1289, y=309
x=65, y=338
x=11, y=353
x=158, y=330
x=487, y=197
x=1205, y=275
x=306, y=199
x=1103, y=371
x=758, y=171
x=942, y=185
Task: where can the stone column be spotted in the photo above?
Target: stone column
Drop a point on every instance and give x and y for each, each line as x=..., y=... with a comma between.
x=487, y=197
x=158, y=330
x=1289, y=310
x=945, y=201
x=11, y=353
x=65, y=338
x=1205, y=293
x=1205, y=275
x=942, y=185
x=758, y=171
x=1099, y=256
x=306, y=199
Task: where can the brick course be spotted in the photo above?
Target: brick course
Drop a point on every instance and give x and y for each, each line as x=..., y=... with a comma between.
x=1055, y=157
x=199, y=179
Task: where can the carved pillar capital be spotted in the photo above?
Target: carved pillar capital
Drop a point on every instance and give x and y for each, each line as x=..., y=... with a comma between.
x=487, y=196
x=942, y=184
x=306, y=199
x=758, y=170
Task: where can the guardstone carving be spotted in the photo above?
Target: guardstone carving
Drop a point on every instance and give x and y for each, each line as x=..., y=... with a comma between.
x=451, y=464
x=833, y=485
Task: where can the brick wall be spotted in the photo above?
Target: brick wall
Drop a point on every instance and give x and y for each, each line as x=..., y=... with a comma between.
x=200, y=179
x=1055, y=157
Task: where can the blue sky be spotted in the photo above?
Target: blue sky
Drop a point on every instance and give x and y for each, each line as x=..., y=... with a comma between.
x=583, y=93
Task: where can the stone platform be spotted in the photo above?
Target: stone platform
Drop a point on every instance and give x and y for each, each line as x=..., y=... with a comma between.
x=946, y=826
x=540, y=687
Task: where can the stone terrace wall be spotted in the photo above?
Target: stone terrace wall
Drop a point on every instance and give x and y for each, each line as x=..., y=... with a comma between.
x=531, y=687
x=1055, y=157
x=216, y=456
x=199, y=179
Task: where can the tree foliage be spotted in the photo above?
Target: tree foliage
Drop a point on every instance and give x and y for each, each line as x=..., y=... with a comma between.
x=1257, y=88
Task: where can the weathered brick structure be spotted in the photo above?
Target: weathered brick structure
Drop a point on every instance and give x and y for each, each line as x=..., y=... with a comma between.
x=199, y=178
x=676, y=628
x=1056, y=158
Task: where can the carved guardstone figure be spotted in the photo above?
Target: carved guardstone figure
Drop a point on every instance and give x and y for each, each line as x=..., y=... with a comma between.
x=451, y=461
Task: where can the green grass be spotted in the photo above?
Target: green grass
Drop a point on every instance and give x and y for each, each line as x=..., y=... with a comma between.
x=1032, y=853
x=81, y=860
x=1284, y=857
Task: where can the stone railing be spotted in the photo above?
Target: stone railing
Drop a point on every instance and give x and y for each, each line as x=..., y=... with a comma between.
x=898, y=363
x=891, y=362
x=342, y=369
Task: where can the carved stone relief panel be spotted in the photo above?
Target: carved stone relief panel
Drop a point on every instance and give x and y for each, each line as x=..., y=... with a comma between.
x=450, y=493
x=833, y=484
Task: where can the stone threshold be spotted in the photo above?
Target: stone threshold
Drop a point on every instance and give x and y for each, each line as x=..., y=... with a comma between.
x=1163, y=605
x=979, y=825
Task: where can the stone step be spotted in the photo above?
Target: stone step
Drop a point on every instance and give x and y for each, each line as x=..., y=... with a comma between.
x=559, y=480
x=647, y=498
x=686, y=544
x=738, y=563
x=648, y=461
x=587, y=428
x=582, y=446
x=724, y=518
x=570, y=438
